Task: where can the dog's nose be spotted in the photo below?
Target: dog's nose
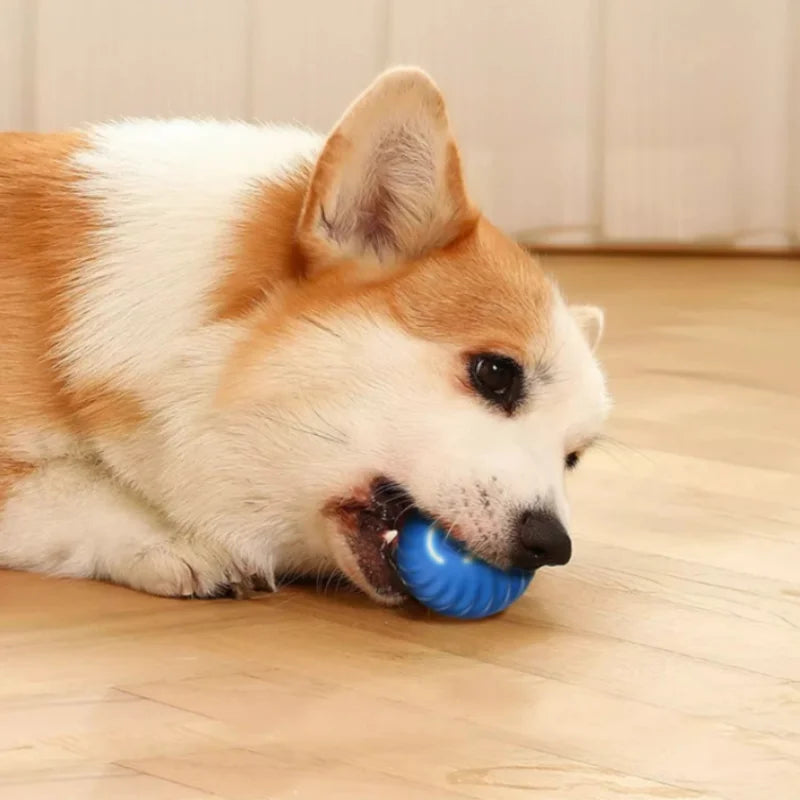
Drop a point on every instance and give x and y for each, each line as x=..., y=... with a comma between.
x=542, y=541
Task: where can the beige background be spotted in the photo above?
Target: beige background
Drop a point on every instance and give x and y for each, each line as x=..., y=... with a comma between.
x=582, y=121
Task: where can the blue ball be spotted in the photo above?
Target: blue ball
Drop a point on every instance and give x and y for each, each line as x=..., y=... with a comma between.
x=446, y=578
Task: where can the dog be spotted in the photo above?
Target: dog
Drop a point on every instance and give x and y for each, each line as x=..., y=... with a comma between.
x=232, y=353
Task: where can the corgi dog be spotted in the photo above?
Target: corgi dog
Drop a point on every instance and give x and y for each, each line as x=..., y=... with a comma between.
x=232, y=353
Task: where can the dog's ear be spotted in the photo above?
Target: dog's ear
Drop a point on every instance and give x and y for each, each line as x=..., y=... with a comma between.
x=388, y=184
x=591, y=321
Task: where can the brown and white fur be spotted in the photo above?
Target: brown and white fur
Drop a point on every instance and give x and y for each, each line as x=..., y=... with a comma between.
x=215, y=337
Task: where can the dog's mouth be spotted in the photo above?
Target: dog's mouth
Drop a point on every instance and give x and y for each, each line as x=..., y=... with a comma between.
x=370, y=523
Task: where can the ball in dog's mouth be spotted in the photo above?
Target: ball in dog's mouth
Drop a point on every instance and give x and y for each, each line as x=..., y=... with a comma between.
x=370, y=524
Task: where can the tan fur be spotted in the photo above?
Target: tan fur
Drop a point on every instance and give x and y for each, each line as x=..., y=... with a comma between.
x=501, y=308
x=497, y=300
x=315, y=251
x=11, y=471
x=45, y=231
x=264, y=251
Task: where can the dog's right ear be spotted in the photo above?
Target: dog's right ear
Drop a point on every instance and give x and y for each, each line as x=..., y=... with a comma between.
x=591, y=321
x=388, y=184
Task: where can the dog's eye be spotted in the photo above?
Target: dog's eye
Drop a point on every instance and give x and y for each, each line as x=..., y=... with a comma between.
x=498, y=379
x=571, y=460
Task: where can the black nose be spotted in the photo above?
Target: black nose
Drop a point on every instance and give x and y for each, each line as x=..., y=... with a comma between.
x=541, y=540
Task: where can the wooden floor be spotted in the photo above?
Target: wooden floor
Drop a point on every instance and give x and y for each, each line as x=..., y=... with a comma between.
x=663, y=662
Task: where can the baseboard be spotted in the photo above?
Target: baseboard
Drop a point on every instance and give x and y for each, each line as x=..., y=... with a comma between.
x=666, y=251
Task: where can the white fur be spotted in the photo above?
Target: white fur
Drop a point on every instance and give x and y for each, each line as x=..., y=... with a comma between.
x=68, y=518
x=170, y=192
x=591, y=321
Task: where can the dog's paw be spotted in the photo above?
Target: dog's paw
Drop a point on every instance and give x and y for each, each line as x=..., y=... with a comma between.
x=177, y=570
x=235, y=584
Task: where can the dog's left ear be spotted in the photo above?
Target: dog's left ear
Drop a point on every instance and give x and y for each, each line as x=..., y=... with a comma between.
x=591, y=321
x=388, y=184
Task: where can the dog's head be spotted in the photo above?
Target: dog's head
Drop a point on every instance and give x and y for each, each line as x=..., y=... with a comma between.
x=422, y=358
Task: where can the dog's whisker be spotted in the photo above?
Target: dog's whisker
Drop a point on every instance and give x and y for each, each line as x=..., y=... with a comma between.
x=304, y=429
x=608, y=444
x=317, y=324
x=329, y=424
x=453, y=525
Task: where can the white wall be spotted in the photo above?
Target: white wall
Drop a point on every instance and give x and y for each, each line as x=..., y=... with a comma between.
x=581, y=121
x=697, y=103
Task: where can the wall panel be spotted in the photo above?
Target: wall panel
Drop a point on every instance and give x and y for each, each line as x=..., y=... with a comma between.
x=99, y=59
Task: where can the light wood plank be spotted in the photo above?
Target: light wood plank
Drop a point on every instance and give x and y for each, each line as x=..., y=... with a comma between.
x=662, y=662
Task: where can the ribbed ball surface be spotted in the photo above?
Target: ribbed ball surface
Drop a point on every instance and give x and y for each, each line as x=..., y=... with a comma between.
x=443, y=576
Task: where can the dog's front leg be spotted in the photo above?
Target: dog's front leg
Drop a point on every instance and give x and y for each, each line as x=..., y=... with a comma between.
x=68, y=517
